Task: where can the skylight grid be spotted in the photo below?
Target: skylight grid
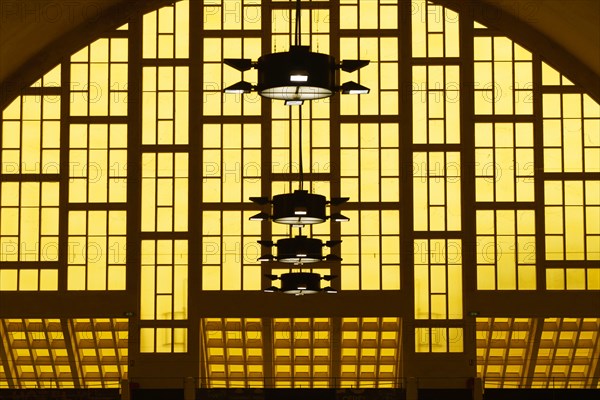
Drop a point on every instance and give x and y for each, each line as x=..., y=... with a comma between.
x=370, y=351
x=233, y=352
x=64, y=353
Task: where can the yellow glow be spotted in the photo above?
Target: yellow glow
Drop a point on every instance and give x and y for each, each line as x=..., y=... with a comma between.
x=234, y=156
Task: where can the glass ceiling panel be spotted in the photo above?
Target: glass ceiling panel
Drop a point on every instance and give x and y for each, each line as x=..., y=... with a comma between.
x=537, y=353
x=63, y=353
x=306, y=352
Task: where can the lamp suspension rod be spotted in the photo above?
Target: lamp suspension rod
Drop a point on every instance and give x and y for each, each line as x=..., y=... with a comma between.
x=300, y=147
x=298, y=39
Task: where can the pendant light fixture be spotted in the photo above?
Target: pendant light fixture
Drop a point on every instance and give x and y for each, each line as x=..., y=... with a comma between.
x=298, y=209
x=298, y=74
x=301, y=283
x=299, y=250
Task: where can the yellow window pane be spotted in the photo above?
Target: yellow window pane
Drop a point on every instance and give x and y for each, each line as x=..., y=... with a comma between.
x=455, y=340
x=555, y=279
x=48, y=279
x=576, y=279
x=8, y=279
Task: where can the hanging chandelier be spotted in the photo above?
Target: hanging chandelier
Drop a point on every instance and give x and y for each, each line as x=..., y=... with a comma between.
x=295, y=76
x=298, y=74
x=298, y=209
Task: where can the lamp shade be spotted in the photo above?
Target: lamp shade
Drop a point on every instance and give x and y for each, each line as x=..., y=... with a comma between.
x=300, y=283
x=299, y=208
x=240, y=87
x=299, y=250
x=298, y=74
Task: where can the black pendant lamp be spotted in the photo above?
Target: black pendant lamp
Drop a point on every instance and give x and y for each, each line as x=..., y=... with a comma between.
x=298, y=74
x=300, y=283
x=299, y=208
x=299, y=250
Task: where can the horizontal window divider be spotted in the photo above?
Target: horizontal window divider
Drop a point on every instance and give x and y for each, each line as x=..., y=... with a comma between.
x=164, y=323
x=561, y=89
x=439, y=323
x=504, y=118
x=41, y=91
x=306, y=5
x=437, y=61
x=422, y=147
x=21, y=265
x=165, y=62
x=372, y=205
x=315, y=176
x=165, y=148
x=571, y=176
x=31, y=177
x=239, y=206
x=438, y=235
x=371, y=119
x=568, y=264
x=231, y=33
x=164, y=235
x=98, y=206
x=233, y=119
x=373, y=32
x=506, y=205
x=103, y=119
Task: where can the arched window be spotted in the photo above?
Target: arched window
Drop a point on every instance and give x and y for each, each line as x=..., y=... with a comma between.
x=472, y=169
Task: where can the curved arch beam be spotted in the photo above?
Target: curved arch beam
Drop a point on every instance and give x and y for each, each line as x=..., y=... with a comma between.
x=35, y=36
x=536, y=42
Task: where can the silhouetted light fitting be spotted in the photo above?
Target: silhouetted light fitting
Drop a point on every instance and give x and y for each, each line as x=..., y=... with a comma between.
x=354, y=88
x=337, y=217
x=294, y=102
x=298, y=74
x=299, y=250
x=240, y=87
x=278, y=76
x=300, y=283
x=299, y=208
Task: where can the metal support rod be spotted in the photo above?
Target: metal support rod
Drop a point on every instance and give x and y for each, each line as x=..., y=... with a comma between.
x=298, y=25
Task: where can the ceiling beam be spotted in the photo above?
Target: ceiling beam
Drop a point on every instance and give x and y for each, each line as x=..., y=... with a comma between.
x=70, y=339
x=531, y=354
x=5, y=349
x=252, y=304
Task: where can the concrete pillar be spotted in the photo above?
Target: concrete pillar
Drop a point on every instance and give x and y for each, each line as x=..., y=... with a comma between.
x=412, y=389
x=478, y=389
x=189, y=388
x=125, y=392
